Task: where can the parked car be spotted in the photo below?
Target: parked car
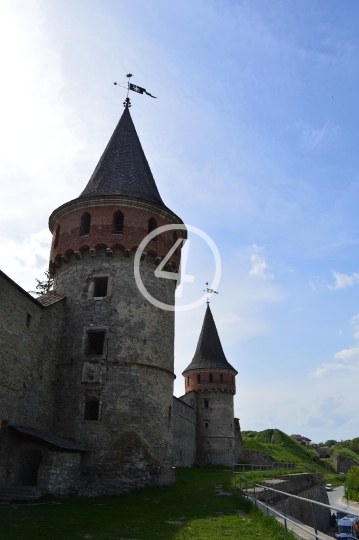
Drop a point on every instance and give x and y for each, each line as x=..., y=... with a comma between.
x=329, y=487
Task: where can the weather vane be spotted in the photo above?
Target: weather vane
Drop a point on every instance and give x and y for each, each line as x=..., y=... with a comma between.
x=209, y=291
x=134, y=88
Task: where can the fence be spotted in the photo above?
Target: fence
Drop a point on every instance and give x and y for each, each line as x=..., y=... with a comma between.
x=258, y=494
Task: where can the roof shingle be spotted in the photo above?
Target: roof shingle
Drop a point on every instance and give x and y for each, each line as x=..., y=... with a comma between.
x=123, y=168
x=209, y=353
x=48, y=438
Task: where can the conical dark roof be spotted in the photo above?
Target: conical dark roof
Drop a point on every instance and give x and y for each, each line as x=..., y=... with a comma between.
x=209, y=353
x=123, y=168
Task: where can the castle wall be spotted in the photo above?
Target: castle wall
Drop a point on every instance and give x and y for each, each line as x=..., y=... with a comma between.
x=184, y=431
x=342, y=464
x=216, y=443
x=30, y=339
x=132, y=380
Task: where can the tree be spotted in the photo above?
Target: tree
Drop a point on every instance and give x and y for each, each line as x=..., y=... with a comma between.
x=331, y=442
x=45, y=286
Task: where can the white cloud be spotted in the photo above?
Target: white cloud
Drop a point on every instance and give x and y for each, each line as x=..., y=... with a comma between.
x=313, y=138
x=23, y=261
x=348, y=355
x=342, y=281
x=259, y=266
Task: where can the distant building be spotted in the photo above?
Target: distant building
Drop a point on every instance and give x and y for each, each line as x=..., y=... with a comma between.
x=300, y=438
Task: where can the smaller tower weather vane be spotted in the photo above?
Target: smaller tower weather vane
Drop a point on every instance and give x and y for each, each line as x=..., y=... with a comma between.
x=134, y=88
x=209, y=291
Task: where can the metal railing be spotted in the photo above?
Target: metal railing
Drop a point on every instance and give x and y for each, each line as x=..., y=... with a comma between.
x=252, y=490
x=245, y=467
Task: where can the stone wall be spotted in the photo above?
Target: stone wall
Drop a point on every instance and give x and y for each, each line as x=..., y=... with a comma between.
x=307, y=485
x=342, y=464
x=238, y=440
x=256, y=458
x=132, y=380
x=30, y=339
x=216, y=443
x=29, y=463
x=184, y=433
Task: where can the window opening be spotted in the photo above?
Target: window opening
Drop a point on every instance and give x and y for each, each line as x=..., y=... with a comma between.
x=221, y=378
x=28, y=320
x=206, y=403
x=92, y=409
x=85, y=224
x=152, y=225
x=210, y=378
x=57, y=234
x=100, y=287
x=206, y=424
x=198, y=379
x=95, y=342
x=118, y=223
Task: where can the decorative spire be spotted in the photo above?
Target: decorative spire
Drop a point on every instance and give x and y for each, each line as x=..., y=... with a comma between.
x=123, y=168
x=209, y=353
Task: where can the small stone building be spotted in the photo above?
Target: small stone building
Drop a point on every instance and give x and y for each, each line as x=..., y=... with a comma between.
x=87, y=370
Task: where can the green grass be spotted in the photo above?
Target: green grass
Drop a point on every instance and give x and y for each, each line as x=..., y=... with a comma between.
x=346, y=452
x=281, y=447
x=189, y=509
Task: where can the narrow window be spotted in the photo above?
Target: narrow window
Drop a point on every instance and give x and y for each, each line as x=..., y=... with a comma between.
x=92, y=409
x=152, y=225
x=85, y=224
x=221, y=378
x=28, y=320
x=210, y=378
x=198, y=379
x=206, y=403
x=57, y=234
x=100, y=287
x=118, y=222
x=206, y=424
x=95, y=342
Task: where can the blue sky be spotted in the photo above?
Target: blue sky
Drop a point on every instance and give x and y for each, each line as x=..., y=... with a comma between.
x=252, y=139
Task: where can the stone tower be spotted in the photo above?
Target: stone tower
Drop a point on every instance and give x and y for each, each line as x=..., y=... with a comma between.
x=114, y=384
x=213, y=379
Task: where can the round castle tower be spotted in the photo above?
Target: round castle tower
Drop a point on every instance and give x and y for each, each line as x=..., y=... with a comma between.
x=213, y=379
x=115, y=376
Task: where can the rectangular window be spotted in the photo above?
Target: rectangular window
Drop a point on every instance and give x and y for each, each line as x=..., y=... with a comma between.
x=206, y=403
x=95, y=342
x=100, y=287
x=28, y=320
x=206, y=424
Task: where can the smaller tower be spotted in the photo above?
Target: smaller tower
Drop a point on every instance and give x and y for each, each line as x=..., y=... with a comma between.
x=212, y=378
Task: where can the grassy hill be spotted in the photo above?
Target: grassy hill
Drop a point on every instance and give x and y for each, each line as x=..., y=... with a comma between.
x=280, y=447
x=347, y=453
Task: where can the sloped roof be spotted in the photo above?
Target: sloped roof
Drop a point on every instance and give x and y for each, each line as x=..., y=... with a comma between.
x=50, y=298
x=48, y=438
x=209, y=353
x=123, y=168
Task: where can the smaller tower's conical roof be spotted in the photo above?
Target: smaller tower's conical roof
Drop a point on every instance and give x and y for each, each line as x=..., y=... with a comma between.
x=123, y=168
x=209, y=353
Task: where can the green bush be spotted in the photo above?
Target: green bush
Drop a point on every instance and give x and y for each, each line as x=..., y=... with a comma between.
x=352, y=484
